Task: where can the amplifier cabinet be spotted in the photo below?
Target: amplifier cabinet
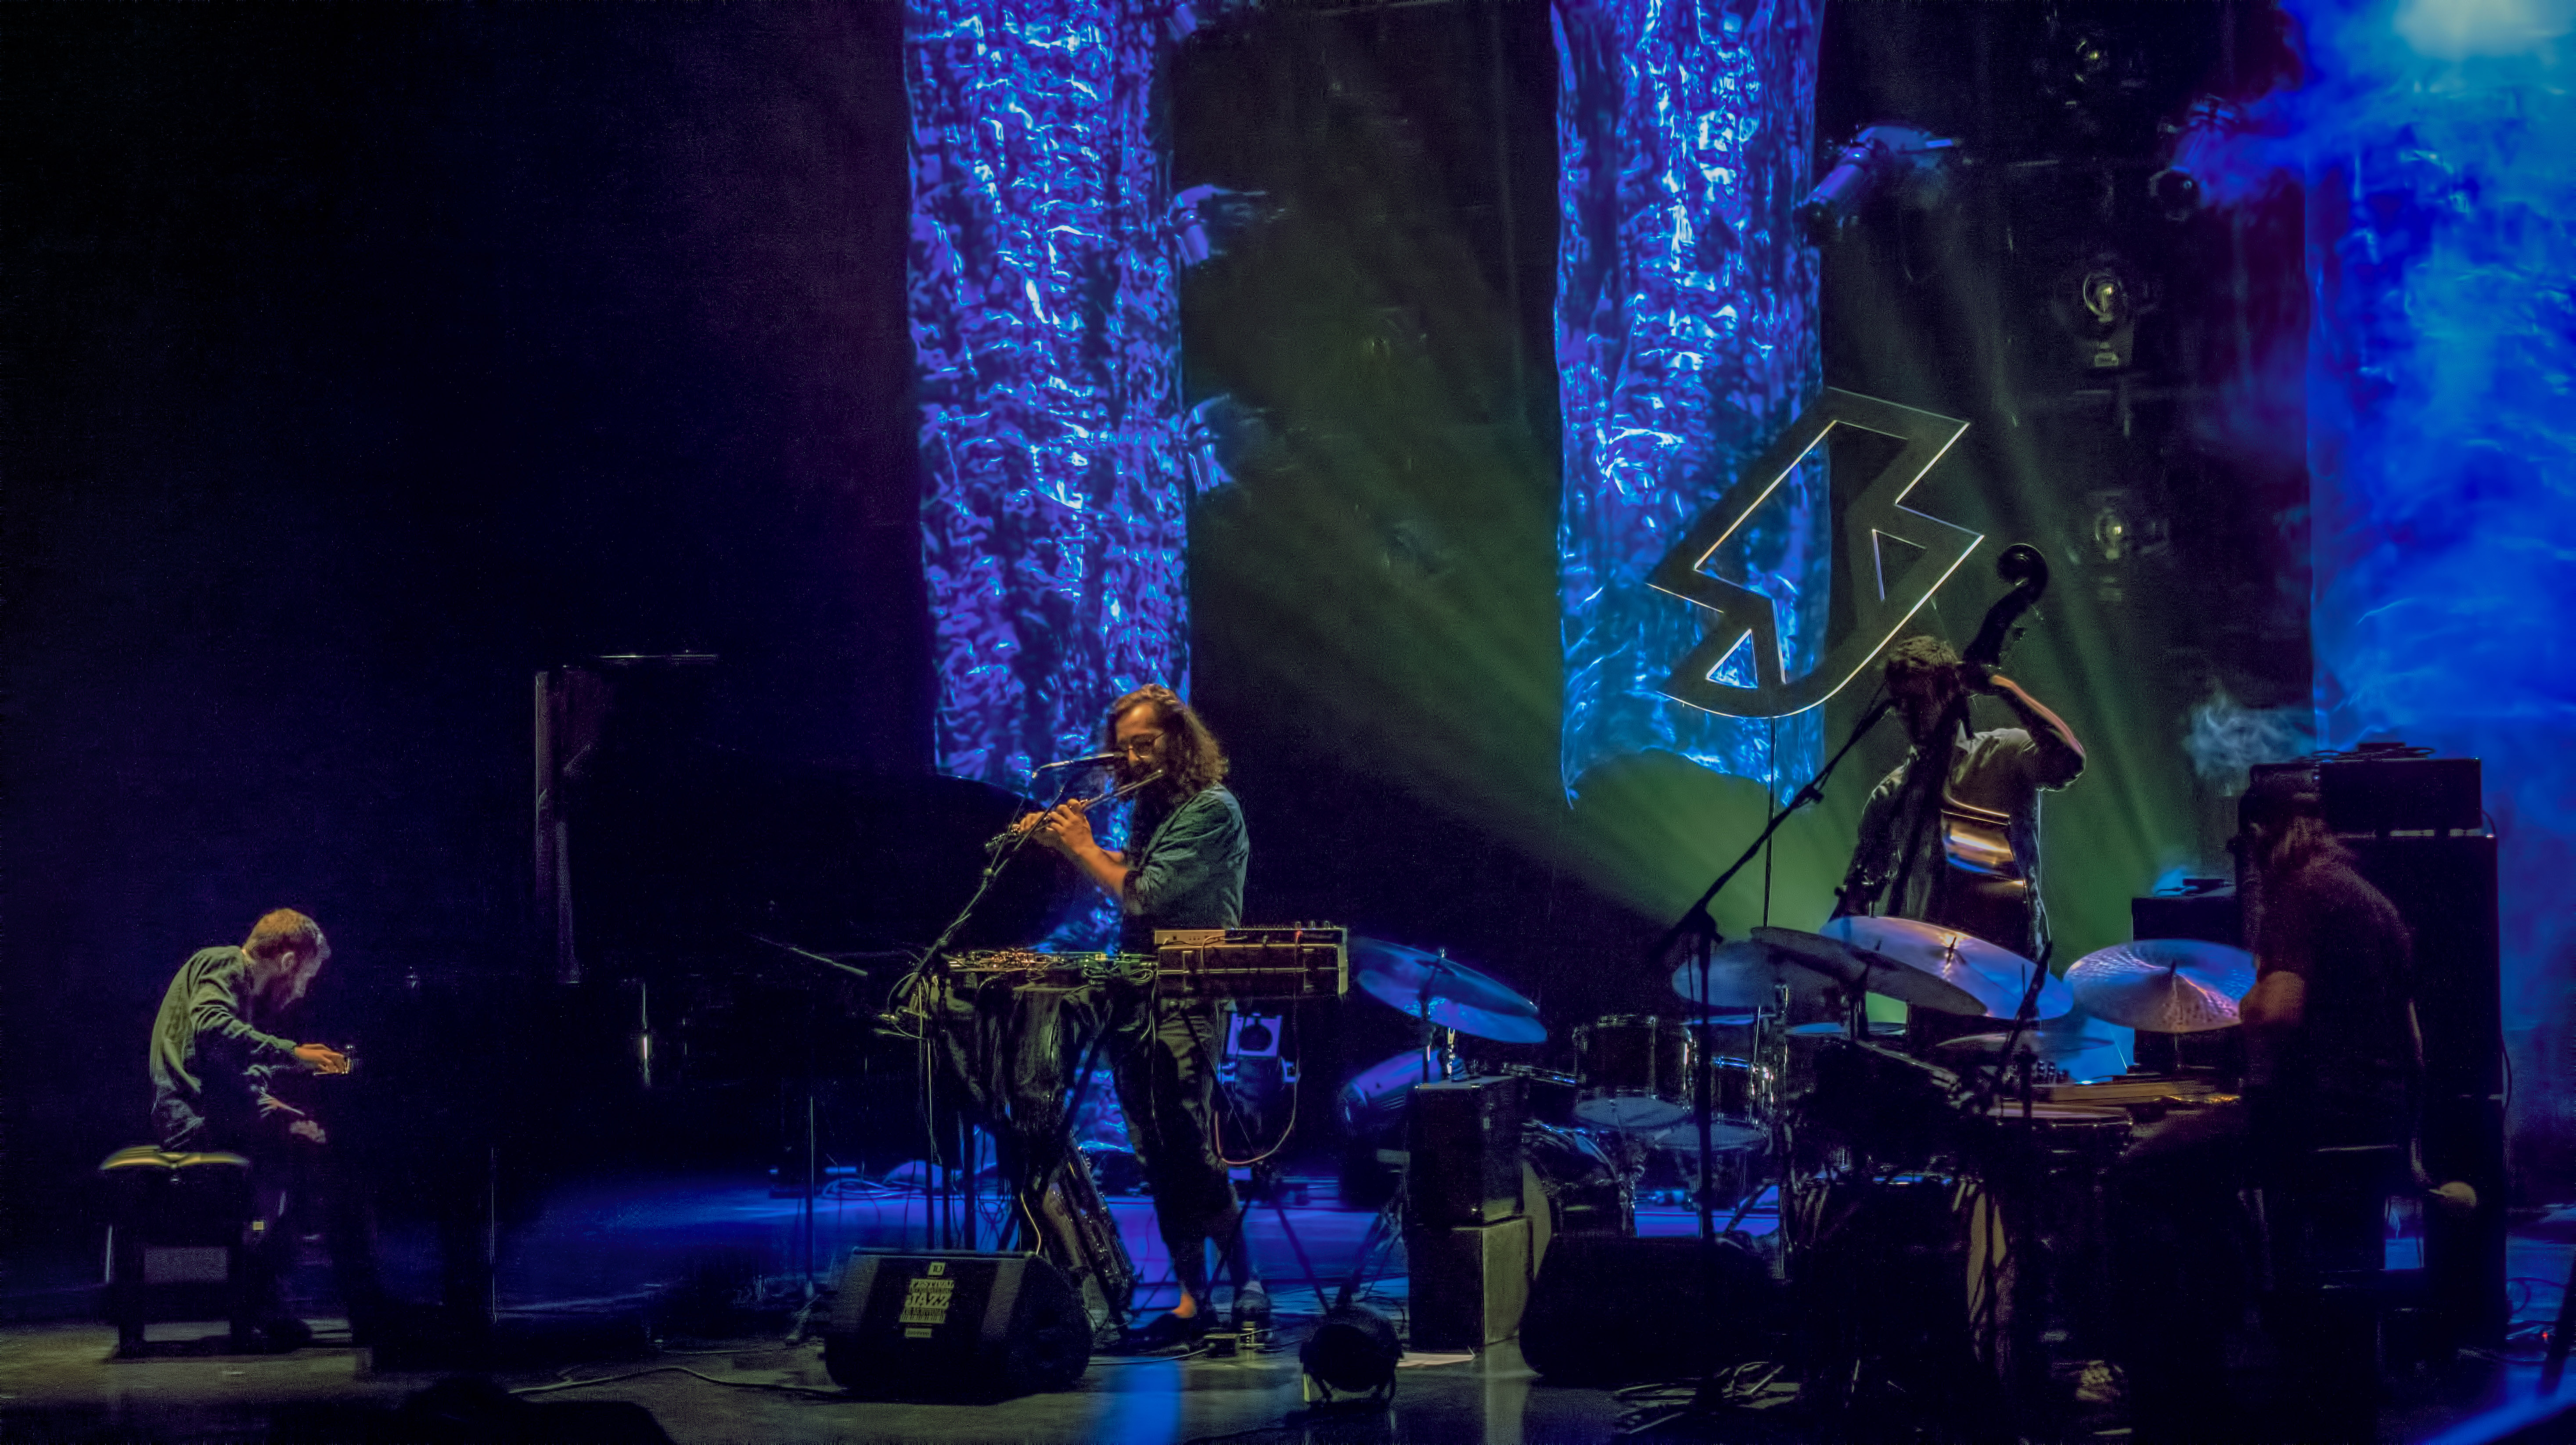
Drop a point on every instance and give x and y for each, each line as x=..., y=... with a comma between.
x=2445, y=889
x=1464, y=1139
x=1470, y=1283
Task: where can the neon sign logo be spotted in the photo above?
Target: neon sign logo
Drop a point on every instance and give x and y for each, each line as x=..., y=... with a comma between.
x=1878, y=515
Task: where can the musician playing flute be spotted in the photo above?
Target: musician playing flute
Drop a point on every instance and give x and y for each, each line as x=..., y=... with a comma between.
x=1184, y=870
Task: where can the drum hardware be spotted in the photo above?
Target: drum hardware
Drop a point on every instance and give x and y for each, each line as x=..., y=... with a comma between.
x=2165, y=985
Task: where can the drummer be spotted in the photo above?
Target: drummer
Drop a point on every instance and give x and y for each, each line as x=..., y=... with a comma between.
x=2334, y=1059
x=2000, y=772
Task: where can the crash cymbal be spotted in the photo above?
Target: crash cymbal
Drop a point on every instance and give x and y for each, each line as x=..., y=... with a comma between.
x=1454, y=996
x=1972, y=976
x=2165, y=985
x=1747, y=972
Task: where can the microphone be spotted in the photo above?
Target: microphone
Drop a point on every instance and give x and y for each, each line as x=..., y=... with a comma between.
x=1080, y=762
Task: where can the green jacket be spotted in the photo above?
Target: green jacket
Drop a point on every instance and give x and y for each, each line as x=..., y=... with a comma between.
x=210, y=1060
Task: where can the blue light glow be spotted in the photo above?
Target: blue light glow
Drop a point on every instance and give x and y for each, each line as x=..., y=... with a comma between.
x=1686, y=340
x=2437, y=145
x=1045, y=321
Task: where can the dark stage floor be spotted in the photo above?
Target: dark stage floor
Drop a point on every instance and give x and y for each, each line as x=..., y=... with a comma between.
x=675, y=1296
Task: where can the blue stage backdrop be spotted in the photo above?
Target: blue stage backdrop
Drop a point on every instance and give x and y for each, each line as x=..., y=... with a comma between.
x=2438, y=147
x=1686, y=340
x=1045, y=319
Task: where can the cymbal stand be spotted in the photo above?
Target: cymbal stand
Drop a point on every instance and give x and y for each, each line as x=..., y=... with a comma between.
x=1699, y=927
x=1439, y=1056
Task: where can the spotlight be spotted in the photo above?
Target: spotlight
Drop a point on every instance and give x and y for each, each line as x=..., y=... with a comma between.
x=1353, y=1352
x=1207, y=221
x=1881, y=158
x=2097, y=301
x=2093, y=74
x=2175, y=193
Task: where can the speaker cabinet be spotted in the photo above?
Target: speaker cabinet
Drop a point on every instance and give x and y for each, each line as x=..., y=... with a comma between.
x=1465, y=1142
x=954, y=1326
x=1607, y=1309
x=2445, y=889
x=1470, y=1283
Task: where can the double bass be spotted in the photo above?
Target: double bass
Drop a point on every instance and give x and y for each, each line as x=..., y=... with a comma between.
x=1984, y=890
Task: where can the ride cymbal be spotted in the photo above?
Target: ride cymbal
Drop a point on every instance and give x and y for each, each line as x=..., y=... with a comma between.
x=1975, y=977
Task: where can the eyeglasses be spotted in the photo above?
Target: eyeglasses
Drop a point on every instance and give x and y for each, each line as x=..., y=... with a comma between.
x=1142, y=745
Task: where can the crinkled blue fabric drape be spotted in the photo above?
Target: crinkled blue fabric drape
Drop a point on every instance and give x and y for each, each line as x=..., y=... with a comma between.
x=1045, y=319
x=1686, y=340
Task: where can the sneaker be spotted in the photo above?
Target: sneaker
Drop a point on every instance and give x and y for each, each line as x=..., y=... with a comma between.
x=1168, y=1331
x=1251, y=1307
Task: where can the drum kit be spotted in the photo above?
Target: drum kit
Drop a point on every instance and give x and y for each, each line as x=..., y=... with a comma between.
x=1760, y=1007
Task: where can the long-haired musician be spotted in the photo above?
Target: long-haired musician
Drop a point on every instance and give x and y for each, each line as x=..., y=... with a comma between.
x=1183, y=869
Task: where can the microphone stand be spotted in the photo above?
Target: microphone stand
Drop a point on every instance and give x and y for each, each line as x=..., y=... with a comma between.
x=1699, y=926
x=933, y=962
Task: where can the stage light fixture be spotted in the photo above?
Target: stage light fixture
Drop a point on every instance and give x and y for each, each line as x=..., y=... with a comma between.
x=2174, y=192
x=1882, y=159
x=1207, y=221
x=1353, y=1352
x=2097, y=302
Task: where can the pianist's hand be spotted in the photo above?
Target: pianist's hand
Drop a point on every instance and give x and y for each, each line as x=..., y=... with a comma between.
x=321, y=1059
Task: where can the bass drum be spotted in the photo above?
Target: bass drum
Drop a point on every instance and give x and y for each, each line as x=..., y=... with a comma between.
x=1580, y=1185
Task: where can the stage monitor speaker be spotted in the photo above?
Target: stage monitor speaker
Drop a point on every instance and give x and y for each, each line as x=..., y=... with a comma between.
x=1465, y=1143
x=954, y=1326
x=2445, y=889
x=1609, y=1308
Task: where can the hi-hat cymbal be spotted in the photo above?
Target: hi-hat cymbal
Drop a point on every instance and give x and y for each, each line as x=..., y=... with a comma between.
x=2164, y=985
x=1453, y=995
x=1976, y=977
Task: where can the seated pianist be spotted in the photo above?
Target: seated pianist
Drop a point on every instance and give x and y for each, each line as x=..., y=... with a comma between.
x=214, y=1057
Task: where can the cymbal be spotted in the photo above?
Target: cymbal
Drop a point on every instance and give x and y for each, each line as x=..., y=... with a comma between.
x=1974, y=976
x=2164, y=985
x=2038, y=1043
x=1747, y=973
x=1878, y=1029
x=1416, y=982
